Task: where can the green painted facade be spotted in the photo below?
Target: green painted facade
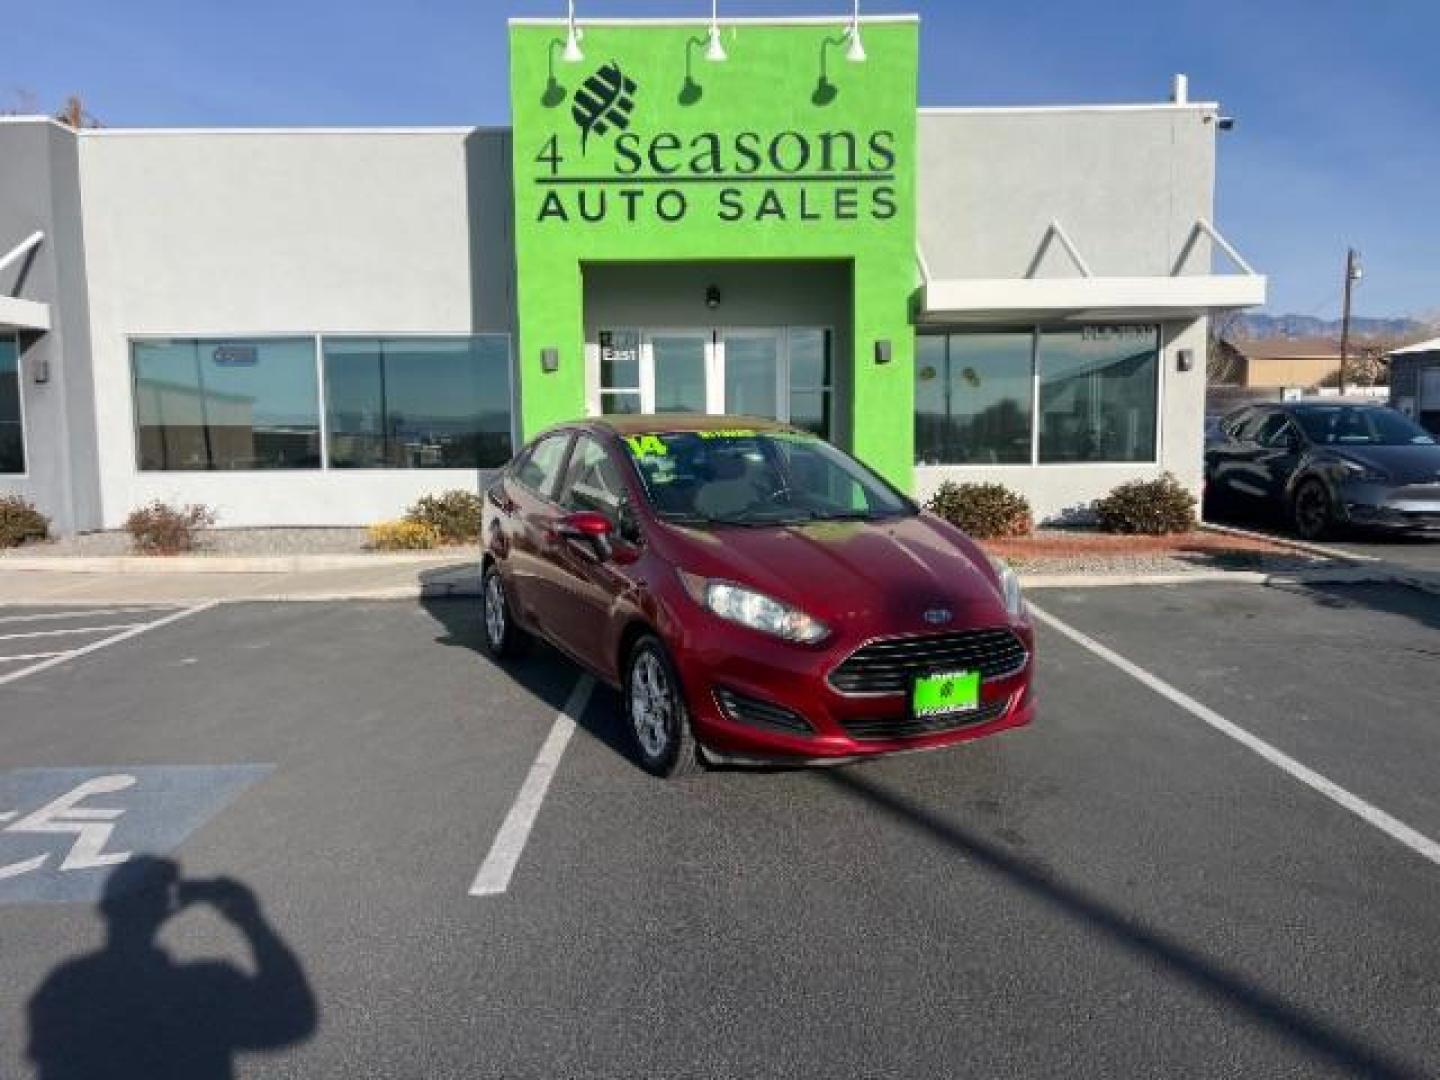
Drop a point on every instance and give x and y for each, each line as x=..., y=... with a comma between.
x=646, y=152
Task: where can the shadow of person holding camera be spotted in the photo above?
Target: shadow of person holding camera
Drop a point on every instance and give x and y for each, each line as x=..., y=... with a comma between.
x=131, y=1010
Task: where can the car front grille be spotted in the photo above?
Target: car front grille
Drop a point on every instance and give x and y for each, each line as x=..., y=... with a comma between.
x=765, y=714
x=888, y=665
x=910, y=727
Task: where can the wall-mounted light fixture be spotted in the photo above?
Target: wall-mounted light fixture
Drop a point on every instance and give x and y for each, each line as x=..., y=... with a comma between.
x=884, y=351
x=573, y=53
x=715, y=51
x=712, y=297
x=1184, y=359
x=549, y=359
x=856, y=52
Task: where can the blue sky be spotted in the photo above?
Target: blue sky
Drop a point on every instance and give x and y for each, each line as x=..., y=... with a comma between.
x=1338, y=109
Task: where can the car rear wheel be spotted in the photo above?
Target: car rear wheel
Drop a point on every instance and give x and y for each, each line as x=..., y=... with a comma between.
x=503, y=638
x=1310, y=512
x=656, y=713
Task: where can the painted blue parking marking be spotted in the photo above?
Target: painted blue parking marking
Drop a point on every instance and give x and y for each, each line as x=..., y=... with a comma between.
x=63, y=831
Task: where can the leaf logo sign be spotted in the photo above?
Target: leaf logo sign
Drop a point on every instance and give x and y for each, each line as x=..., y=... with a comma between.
x=605, y=100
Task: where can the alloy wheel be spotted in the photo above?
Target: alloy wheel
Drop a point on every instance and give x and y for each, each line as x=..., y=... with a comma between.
x=1312, y=511
x=495, y=611
x=652, y=705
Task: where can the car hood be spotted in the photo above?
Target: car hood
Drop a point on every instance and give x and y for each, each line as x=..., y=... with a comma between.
x=1403, y=464
x=883, y=575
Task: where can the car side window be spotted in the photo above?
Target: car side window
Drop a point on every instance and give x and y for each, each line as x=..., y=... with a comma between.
x=1232, y=423
x=1249, y=429
x=539, y=468
x=1276, y=432
x=593, y=482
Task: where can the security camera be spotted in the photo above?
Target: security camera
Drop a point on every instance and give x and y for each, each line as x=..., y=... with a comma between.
x=1225, y=123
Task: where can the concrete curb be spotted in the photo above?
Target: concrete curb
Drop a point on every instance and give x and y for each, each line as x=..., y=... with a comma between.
x=1379, y=569
x=227, y=564
x=1323, y=551
x=1348, y=575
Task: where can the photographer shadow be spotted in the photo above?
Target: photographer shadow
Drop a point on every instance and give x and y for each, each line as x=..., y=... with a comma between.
x=130, y=1009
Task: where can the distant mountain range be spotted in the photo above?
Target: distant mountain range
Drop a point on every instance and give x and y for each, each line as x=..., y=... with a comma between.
x=1262, y=325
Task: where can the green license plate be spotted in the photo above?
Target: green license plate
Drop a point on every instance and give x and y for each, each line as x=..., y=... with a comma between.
x=945, y=692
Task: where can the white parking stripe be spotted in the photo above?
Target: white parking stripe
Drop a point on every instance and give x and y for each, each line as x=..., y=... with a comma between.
x=84, y=613
x=509, y=845
x=114, y=639
x=30, y=656
x=69, y=630
x=1393, y=827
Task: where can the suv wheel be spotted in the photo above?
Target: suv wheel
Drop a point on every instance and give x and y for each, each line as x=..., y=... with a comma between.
x=1311, y=512
x=655, y=712
x=502, y=637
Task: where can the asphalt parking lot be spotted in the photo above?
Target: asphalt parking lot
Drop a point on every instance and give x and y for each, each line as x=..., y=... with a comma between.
x=1125, y=888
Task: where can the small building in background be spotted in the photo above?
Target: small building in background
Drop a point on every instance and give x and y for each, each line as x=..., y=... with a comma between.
x=1279, y=363
x=1415, y=382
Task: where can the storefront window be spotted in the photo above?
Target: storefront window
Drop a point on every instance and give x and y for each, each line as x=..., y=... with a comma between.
x=418, y=403
x=1098, y=390
x=972, y=398
x=810, y=385
x=12, y=434
x=232, y=404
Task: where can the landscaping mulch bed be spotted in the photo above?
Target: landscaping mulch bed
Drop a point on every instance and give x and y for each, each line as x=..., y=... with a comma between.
x=1087, y=551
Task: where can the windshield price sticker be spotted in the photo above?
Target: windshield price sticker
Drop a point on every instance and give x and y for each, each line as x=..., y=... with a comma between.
x=647, y=445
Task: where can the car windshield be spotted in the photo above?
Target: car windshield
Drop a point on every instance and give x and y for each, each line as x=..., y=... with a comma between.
x=1360, y=425
x=745, y=477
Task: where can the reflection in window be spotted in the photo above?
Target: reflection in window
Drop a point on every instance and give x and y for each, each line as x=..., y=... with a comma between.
x=12, y=435
x=972, y=398
x=233, y=404
x=1098, y=389
x=592, y=482
x=810, y=388
x=418, y=403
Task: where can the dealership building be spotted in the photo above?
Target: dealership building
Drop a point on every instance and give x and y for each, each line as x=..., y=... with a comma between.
x=317, y=326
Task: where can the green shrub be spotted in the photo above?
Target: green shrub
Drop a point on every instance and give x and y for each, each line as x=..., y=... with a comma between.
x=984, y=511
x=1152, y=507
x=161, y=529
x=454, y=515
x=20, y=522
x=403, y=535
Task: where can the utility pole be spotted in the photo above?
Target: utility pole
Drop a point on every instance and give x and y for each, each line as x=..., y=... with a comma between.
x=1353, y=273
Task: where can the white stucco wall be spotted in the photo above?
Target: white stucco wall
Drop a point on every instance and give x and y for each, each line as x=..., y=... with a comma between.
x=292, y=232
x=1127, y=184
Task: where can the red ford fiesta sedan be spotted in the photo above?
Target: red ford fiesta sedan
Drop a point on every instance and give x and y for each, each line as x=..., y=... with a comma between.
x=754, y=593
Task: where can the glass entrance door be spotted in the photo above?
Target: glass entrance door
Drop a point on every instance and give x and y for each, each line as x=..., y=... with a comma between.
x=751, y=363
x=783, y=373
x=678, y=367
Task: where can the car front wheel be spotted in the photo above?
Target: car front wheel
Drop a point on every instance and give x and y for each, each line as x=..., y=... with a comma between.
x=502, y=637
x=656, y=713
x=1311, y=512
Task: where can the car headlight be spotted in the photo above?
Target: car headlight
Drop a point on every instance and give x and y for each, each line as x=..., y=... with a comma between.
x=1010, y=588
x=755, y=610
x=1354, y=470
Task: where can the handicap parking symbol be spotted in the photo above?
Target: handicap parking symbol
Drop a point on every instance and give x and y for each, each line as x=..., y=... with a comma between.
x=62, y=831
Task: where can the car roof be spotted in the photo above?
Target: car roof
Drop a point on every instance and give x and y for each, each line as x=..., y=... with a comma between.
x=650, y=423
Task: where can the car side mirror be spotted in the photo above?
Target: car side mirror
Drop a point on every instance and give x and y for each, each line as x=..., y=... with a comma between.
x=629, y=525
x=590, y=533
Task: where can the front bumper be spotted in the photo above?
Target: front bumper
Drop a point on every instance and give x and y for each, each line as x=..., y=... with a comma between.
x=794, y=679
x=1409, y=507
